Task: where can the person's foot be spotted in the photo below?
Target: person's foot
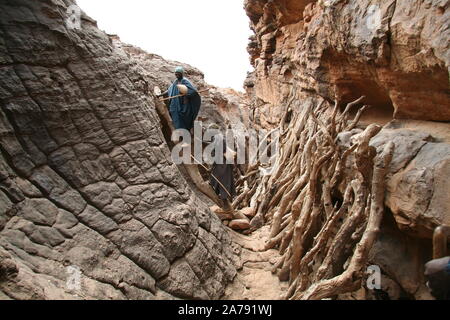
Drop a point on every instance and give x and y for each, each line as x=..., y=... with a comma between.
x=224, y=210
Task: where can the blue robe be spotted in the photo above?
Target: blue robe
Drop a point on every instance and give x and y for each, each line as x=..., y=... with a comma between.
x=184, y=110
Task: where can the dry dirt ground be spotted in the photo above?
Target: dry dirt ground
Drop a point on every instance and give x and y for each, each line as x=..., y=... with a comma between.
x=254, y=280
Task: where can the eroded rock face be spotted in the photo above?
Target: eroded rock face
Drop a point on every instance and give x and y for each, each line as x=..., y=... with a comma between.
x=417, y=185
x=86, y=179
x=398, y=254
x=395, y=52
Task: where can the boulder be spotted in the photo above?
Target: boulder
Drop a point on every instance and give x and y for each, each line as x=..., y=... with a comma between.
x=240, y=224
x=395, y=53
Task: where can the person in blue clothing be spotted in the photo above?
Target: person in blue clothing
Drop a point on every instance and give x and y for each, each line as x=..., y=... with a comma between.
x=183, y=110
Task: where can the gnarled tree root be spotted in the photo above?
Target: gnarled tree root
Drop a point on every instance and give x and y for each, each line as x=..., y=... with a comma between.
x=327, y=201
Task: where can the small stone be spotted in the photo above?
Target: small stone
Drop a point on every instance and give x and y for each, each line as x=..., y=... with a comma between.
x=240, y=224
x=248, y=212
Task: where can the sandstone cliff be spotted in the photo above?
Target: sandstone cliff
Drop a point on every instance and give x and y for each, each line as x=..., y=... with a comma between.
x=86, y=178
x=396, y=54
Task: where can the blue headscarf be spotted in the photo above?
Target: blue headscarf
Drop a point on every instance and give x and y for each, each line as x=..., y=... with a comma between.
x=184, y=110
x=179, y=69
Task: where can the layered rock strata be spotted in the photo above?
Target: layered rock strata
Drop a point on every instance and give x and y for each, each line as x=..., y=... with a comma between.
x=91, y=205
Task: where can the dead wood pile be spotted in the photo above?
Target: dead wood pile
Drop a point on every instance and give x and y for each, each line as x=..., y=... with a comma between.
x=324, y=201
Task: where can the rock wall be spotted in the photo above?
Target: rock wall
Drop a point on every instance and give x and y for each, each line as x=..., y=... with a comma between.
x=396, y=54
x=86, y=179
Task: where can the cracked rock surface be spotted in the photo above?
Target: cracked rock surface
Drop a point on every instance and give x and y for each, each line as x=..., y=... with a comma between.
x=86, y=178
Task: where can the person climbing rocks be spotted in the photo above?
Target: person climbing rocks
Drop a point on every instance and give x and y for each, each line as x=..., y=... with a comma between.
x=222, y=172
x=184, y=109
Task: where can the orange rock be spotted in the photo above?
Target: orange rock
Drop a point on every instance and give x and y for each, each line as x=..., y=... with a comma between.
x=240, y=224
x=249, y=212
x=406, y=78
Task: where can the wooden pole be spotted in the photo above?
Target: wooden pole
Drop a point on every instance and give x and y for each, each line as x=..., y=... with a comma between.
x=181, y=95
